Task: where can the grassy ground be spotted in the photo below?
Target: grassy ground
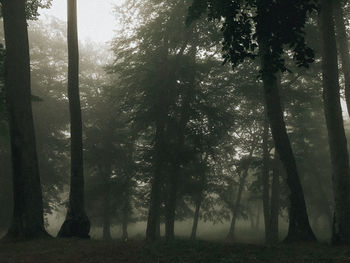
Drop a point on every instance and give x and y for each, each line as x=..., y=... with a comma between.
x=71, y=251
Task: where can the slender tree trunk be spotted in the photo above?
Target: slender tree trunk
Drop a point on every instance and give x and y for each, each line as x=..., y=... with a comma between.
x=77, y=223
x=257, y=222
x=236, y=208
x=158, y=225
x=126, y=214
x=275, y=203
x=125, y=234
x=155, y=201
x=106, y=204
x=343, y=48
x=171, y=207
x=266, y=178
x=106, y=224
x=196, y=217
x=335, y=127
x=203, y=182
x=299, y=226
x=251, y=217
x=27, y=221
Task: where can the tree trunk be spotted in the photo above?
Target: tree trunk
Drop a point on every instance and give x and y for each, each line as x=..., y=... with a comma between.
x=126, y=214
x=266, y=177
x=299, y=226
x=76, y=223
x=196, y=217
x=106, y=224
x=176, y=174
x=27, y=221
x=195, y=220
x=106, y=204
x=158, y=225
x=203, y=182
x=153, y=222
x=343, y=48
x=257, y=222
x=335, y=127
x=275, y=204
x=125, y=234
x=251, y=216
x=235, y=209
x=155, y=201
x=170, y=208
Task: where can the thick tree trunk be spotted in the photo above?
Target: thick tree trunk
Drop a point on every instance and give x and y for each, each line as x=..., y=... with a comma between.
x=273, y=237
x=266, y=178
x=27, y=221
x=343, y=48
x=77, y=223
x=335, y=126
x=299, y=226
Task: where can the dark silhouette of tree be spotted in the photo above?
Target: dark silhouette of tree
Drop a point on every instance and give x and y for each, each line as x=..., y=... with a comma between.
x=334, y=119
x=76, y=223
x=277, y=24
x=27, y=221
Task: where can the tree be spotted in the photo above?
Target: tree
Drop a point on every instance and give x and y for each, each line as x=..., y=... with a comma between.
x=335, y=127
x=27, y=221
x=272, y=22
x=76, y=223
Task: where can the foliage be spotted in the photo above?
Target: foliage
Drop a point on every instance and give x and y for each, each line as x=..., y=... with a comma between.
x=246, y=23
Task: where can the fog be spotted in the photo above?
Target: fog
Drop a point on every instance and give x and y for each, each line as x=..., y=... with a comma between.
x=177, y=130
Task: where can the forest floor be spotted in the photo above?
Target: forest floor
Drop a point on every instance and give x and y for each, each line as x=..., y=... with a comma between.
x=91, y=251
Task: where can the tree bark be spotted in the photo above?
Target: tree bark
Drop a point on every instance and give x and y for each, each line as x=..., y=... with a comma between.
x=77, y=223
x=27, y=220
x=299, y=226
x=334, y=120
x=343, y=48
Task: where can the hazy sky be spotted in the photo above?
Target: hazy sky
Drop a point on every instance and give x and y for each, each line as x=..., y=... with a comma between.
x=95, y=17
